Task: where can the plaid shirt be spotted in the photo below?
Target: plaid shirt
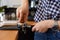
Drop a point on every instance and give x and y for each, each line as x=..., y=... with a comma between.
x=47, y=9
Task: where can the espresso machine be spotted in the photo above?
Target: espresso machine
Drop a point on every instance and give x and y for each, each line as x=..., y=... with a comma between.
x=10, y=13
x=32, y=9
x=25, y=31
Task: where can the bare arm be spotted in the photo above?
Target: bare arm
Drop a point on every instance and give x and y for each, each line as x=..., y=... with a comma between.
x=24, y=2
x=43, y=26
x=22, y=11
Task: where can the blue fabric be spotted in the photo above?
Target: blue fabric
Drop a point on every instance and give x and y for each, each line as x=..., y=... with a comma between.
x=47, y=9
x=49, y=35
x=40, y=36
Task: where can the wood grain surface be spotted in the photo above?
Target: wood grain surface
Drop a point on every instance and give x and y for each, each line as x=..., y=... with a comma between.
x=8, y=34
x=11, y=34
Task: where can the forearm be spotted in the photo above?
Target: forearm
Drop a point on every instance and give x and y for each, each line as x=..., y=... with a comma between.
x=24, y=3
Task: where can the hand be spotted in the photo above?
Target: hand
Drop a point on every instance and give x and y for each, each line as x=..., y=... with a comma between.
x=43, y=26
x=22, y=13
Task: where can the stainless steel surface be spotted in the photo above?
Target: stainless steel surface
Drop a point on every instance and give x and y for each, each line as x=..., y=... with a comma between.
x=8, y=23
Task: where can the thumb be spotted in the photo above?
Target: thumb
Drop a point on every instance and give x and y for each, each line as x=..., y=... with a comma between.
x=17, y=14
x=33, y=29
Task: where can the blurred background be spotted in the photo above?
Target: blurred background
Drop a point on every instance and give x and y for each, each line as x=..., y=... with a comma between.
x=8, y=20
x=8, y=9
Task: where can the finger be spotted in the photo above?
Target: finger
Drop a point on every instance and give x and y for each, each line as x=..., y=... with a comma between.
x=20, y=16
x=43, y=30
x=23, y=16
x=17, y=13
x=37, y=30
x=33, y=29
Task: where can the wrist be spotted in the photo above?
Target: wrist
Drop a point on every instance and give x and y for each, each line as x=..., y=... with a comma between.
x=59, y=24
x=25, y=3
x=51, y=23
x=55, y=26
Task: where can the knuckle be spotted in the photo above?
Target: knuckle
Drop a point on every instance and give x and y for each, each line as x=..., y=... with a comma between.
x=21, y=10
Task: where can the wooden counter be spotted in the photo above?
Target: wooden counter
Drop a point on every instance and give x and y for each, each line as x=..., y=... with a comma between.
x=8, y=34
x=11, y=34
x=12, y=23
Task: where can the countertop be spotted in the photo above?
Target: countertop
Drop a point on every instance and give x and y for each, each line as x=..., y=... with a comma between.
x=12, y=25
x=9, y=30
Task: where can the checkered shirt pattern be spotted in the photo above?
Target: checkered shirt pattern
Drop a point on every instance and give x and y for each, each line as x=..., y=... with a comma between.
x=47, y=9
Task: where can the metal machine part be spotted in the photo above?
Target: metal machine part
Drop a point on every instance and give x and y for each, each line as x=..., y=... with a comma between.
x=25, y=32
x=24, y=27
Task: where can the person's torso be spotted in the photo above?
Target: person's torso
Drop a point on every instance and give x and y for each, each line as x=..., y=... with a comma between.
x=47, y=9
